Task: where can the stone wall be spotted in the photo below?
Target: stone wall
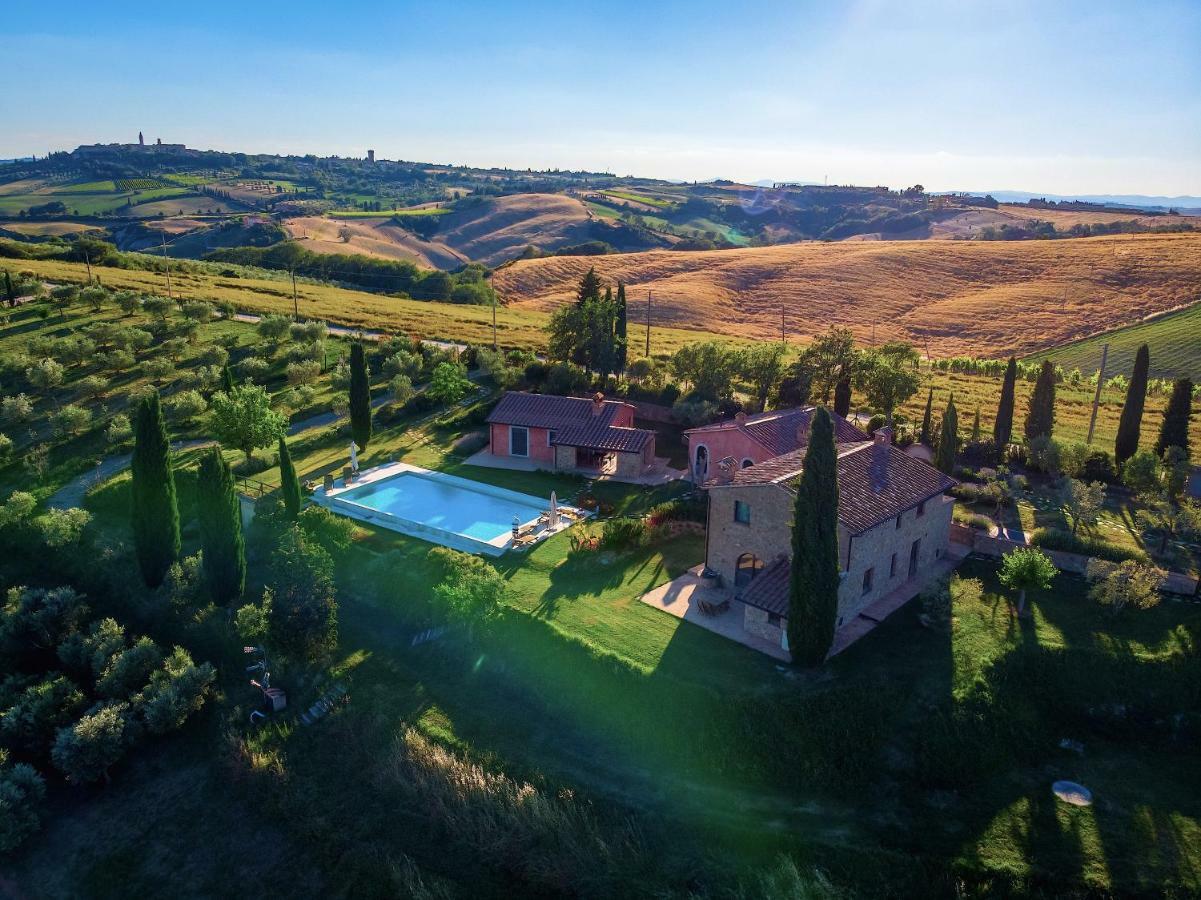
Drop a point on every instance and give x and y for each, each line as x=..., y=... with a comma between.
x=564, y=457
x=755, y=621
x=768, y=535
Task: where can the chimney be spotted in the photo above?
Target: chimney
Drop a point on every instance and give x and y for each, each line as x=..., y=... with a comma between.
x=740, y=417
x=883, y=435
x=598, y=403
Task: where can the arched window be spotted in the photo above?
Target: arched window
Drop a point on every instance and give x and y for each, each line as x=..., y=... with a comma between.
x=701, y=463
x=747, y=463
x=747, y=567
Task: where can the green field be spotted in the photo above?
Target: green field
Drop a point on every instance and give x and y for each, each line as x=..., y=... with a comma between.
x=641, y=198
x=1174, y=341
x=91, y=198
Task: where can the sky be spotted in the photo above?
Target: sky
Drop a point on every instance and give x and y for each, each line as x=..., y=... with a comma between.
x=1056, y=97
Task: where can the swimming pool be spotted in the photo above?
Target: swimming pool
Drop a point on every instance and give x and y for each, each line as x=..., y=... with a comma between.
x=445, y=509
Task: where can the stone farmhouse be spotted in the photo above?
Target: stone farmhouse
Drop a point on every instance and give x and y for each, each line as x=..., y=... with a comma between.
x=589, y=436
x=893, y=522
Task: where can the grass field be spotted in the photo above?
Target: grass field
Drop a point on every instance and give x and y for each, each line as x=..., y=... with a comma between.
x=1173, y=339
x=419, y=212
x=641, y=198
x=948, y=297
x=88, y=198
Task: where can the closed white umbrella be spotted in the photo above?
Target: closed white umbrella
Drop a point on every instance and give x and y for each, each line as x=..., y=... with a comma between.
x=354, y=457
x=554, y=510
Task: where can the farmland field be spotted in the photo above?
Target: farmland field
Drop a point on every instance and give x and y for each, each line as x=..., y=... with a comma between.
x=983, y=298
x=389, y=213
x=1174, y=341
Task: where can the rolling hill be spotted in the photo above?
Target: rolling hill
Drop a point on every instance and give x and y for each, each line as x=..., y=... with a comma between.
x=984, y=298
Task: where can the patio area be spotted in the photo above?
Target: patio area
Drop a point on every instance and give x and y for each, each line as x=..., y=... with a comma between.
x=682, y=598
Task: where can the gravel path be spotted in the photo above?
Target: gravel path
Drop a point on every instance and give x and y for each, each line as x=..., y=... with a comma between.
x=72, y=493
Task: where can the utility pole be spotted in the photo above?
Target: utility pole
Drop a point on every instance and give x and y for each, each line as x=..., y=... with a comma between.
x=494, y=302
x=783, y=334
x=163, y=235
x=648, y=324
x=87, y=259
x=1092, y=422
x=295, y=305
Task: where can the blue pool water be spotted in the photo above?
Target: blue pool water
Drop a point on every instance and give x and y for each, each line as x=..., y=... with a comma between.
x=439, y=504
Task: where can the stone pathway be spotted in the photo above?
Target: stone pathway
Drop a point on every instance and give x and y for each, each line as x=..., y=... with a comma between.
x=72, y=493
x=318, y=711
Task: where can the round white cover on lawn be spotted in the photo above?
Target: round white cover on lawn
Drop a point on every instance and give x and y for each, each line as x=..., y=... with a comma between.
x=1075, y=794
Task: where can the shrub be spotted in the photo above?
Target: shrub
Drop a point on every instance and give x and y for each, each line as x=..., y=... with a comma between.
x=159, y=369
x=1118, y=585
x=86, y=751
x=304, y=372
x=6, y=446
x=566, y=378
x=72, y=420
x=401, y=388
x=1099, y=548
x=1098, y=466
x=22, y=791
x=623, y=533
x=214, y=355
x=690, y=413
x=16, y=409
x=119, y=429
x=253, y=367
x=678, y=510
x=62, y=527
x=187, y=405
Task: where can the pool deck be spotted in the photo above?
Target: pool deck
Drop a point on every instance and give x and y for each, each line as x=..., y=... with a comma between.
x=538, y=529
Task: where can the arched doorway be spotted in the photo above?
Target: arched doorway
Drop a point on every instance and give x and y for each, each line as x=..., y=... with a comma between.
x=745, y=570
x=700, y=464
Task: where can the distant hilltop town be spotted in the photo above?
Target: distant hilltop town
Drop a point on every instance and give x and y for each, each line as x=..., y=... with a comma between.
x=157, y=147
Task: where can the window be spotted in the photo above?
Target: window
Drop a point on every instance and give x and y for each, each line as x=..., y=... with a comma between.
x=892, y=566
x=921, y=508
x=519, y=441
x=550, y=438
x=773, y=619
x=747, y=567
x=742, y=512
x=747, y=463
x=867, y=580
x=898, y=522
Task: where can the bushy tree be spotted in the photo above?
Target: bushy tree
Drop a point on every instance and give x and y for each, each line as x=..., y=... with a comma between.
x=175, y=690
x=129, y=669
x=1174, y=431
x=45, y=375
x=360, y=397
x=72, y=420
x=830, y=358
x=153, y=511
x=1040, y=419
x=1169, y=519
x=38, y=711
x=1130, y=424
x=888, y=376
x=709, y=366
x=1082, y=501
x=22, y=791
x=223, y=557
x=273, y=328
x=471, y=590
x=449, y=384
x=1141, y=472
x=304, y=609
x=39, y=619
x=761, y=367
x=60, y=528
x=85, y=751
x=1026, y=569
x=589, y=287
x=1118, y=585
x=243, y=418
x=87, y=653
x=814, y=577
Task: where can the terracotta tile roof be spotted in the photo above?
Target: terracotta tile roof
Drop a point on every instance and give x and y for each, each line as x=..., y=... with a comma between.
x=876, y=481
x=573, y=420
x=769, y=589
x=781, y=431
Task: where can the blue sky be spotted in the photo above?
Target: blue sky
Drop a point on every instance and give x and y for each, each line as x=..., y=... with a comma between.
x=1061, y=97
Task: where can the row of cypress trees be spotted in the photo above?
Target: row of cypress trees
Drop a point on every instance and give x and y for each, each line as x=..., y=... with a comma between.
x=155, y=510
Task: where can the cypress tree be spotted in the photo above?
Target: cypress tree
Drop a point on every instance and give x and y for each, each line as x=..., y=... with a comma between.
x=948, y=439
x=1040, y=420
x=220, y=518
x=360, y=397
x=924, y=437
x=1130, y=425
x=227, y=379
x=622, y=339
x=976, y=427
x=9, y=291
x=814, y=578
x=1174, y=431
x=289, y=485
x=842, y=396
x=154, y=513
x=1002, y=429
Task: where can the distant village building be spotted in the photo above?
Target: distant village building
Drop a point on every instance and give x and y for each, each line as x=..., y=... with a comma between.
x=141, y=146
x=370, y=156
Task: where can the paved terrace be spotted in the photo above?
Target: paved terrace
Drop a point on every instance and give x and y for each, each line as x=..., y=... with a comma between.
x=681, y=598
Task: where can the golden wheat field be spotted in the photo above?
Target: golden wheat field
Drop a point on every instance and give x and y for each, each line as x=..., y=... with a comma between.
x=983, y=298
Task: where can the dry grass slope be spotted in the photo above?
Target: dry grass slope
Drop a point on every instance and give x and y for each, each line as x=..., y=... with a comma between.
x=950, y=297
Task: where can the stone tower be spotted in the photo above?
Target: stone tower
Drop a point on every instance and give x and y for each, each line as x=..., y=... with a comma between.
x=141, y=140
x=370, y=156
